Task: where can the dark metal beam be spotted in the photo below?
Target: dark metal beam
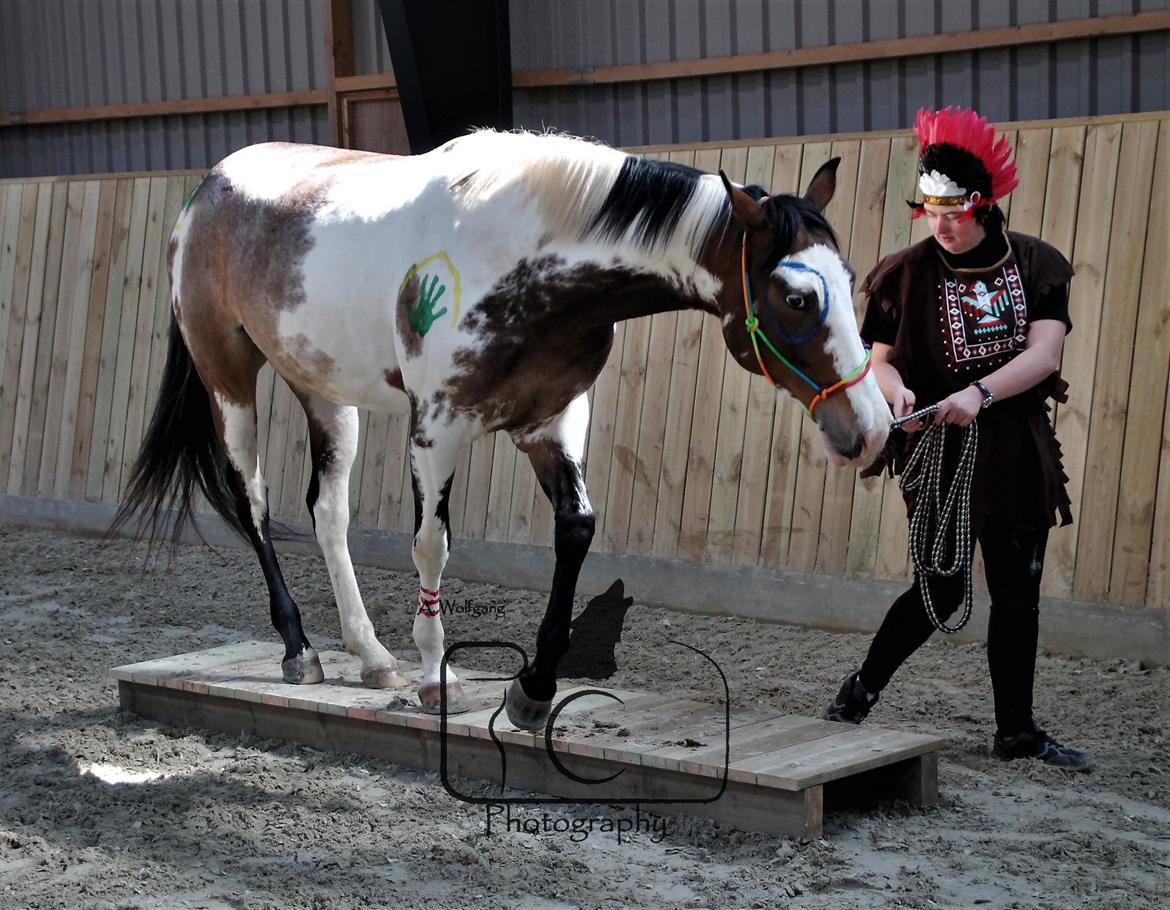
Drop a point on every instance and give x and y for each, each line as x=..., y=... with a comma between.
x=452, y=64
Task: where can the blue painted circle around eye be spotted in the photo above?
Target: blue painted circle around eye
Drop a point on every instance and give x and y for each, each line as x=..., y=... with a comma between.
x=770, y=318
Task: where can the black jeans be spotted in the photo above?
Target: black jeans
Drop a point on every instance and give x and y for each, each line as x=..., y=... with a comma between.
x=1013, y=560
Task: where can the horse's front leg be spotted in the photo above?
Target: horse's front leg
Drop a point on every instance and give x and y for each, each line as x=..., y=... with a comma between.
x=432, y=467
x=555, y=454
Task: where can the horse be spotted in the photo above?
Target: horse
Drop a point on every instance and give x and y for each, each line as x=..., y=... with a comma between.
x=478, y=286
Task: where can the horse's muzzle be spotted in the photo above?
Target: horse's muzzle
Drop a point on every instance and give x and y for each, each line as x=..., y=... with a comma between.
x=850, y=445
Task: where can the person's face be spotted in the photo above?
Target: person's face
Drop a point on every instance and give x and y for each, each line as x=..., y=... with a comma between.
x=954, y=233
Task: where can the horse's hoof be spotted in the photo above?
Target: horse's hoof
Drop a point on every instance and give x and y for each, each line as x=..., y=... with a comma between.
x=524, y=712
x=303, y=670
x=430, y=698
x=383, y=678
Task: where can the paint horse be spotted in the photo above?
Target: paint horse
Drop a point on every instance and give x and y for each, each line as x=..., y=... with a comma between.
x=479, y=284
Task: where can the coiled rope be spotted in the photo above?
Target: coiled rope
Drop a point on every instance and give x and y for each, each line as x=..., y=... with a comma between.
x=940, y=516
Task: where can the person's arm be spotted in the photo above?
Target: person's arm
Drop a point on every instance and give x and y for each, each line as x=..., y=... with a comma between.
x=1039, y=360
x=893, y=387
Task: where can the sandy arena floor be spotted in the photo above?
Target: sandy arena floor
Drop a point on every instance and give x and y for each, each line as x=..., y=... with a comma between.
x=216, y=822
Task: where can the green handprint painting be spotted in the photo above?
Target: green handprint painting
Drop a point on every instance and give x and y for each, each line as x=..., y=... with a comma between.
x=423, y=314
x=430, y=290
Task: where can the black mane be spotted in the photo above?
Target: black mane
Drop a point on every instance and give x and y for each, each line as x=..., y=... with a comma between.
x=650, y=195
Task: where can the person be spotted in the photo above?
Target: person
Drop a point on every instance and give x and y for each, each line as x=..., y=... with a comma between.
x=973, y=318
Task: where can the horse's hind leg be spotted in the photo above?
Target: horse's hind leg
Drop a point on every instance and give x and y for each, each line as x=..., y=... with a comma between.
x=233, y=399
x=432, y=465
x=555, y=452
x=333, y=441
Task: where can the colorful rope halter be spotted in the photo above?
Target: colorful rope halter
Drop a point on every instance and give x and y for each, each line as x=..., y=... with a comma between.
x=756, y=334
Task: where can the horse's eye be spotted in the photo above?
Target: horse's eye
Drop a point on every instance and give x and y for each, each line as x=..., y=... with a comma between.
x=796, y=302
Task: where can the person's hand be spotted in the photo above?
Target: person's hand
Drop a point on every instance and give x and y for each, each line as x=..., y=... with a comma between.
x=960, y=408
x=902, y=405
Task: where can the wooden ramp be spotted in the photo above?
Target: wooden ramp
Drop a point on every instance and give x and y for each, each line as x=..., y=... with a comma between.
x=756, y=772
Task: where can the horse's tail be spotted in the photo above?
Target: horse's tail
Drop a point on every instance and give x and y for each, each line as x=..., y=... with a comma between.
x=181, y=453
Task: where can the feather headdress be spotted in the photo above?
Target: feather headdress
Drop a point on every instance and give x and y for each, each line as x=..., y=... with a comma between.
x=960, y=162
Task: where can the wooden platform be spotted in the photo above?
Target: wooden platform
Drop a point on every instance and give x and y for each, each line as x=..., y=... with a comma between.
x=757, y=772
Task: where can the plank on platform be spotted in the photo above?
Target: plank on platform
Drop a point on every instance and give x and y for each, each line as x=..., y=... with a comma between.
x=751, y=771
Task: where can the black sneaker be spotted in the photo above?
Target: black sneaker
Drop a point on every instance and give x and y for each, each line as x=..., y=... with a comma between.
x=852, y=703
x=1038, y=744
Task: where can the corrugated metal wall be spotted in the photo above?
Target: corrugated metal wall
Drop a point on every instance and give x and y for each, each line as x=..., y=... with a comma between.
x=66, y=53
x=1076, y=78
x=74, y=53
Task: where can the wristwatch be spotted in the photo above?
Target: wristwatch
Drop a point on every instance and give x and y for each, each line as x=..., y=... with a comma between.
x=988, y=398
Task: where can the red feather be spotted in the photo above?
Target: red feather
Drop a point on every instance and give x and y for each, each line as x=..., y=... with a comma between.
x=964, y=128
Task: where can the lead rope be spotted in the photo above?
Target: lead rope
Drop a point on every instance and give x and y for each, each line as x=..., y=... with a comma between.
x=936, y=513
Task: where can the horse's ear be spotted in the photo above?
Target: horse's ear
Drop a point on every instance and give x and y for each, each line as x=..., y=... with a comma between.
x=747, y=211
x=823, y=185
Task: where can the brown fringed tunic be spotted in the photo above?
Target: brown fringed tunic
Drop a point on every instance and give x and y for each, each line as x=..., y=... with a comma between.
x=949, y=326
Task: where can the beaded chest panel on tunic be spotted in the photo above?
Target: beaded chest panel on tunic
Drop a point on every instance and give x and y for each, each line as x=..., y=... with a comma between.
x=984, y=315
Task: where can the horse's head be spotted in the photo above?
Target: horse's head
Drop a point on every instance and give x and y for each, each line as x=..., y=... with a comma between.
x=788, y=314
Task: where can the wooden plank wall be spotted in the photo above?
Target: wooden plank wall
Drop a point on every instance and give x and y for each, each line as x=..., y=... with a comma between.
x=689, y=457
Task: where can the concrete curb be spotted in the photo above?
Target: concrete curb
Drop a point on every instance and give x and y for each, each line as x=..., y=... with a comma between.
x=838, y=603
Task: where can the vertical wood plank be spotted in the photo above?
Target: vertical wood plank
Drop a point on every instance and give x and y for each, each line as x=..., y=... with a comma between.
x=25, y=245
x=178, y=188
x=129, y=328
x=500, y=487
x=624, y=452
x=395, y=466
x=7, y=253
x=811, y=462
x=1147, y=397
x=46, y=338
x=479, y=478
x=79, y=325
x=523, y=495
x=36, y=315
x=837, y=504
x=680, y=403
x=892, y=556
x=71, y=255
x=92, y=351
x=298, y=509
x=296, y=449
x=732, y=421
x=374, y=464
x=10, y=237
x=1065, y=175
x=1032, y=159
x=406, y=503
x=704, y=421
x=138, y=395
x=868, y=206
x=103, y=395
x=1115, y=359
x=1079, y=361
x=278, y=461
x=1158, y=587
x=458, y=498
x=781, y=491
x=760, y=412
x=599, y=448
x=652, y=427
x=680, y=400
